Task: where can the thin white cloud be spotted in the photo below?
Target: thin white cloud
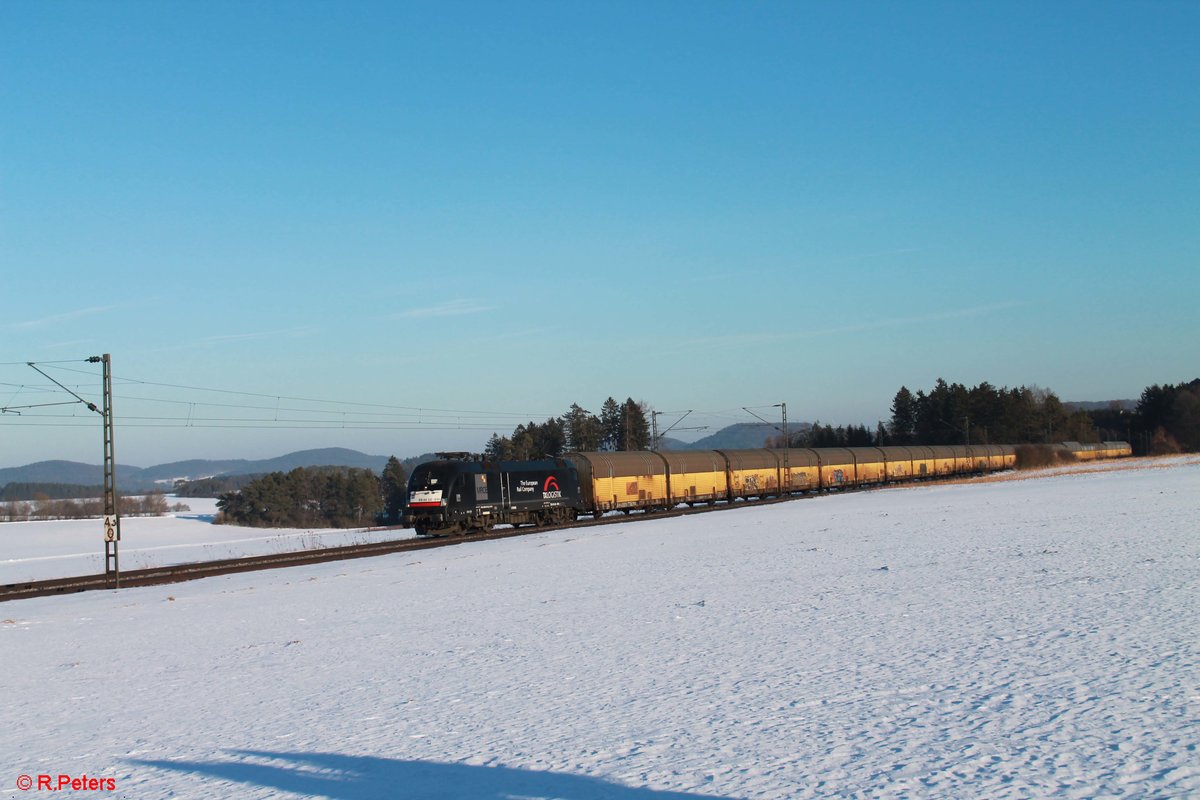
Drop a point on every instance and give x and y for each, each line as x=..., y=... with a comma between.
x=243, y=337
x=451, y=308
x=65, y=316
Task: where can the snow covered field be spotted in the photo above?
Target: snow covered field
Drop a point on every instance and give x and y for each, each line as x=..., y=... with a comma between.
x=1030, y=638
x=65, y=548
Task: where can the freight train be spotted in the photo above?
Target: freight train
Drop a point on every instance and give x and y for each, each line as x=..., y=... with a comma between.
x=456, y=494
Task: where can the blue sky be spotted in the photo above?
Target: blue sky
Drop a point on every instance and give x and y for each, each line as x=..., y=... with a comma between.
x=502, y=208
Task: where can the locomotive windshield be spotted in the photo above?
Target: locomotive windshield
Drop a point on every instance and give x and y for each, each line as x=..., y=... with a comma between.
x=425, y=478
x=431, y=485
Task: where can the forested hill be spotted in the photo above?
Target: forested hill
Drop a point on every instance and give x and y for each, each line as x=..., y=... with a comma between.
x=744, y=435
x=163, y=475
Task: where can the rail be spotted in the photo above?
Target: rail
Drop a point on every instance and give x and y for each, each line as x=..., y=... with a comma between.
x=154, y=576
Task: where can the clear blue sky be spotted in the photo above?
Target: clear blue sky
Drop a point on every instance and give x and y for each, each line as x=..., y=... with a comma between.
x=504, y=208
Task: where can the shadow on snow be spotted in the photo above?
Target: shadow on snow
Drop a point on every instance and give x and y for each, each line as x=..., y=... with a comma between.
x=360, y=777
x=197, y=517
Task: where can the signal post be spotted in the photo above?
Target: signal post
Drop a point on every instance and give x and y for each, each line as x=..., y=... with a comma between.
x=112, y=517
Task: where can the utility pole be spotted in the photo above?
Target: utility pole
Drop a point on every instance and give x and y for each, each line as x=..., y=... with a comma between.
x=112, y=516
x=654, y=440
x=787, y=447
x=787, y=466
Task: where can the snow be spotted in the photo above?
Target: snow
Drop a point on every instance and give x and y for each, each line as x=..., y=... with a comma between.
x=1028, y=638
x=66, y=548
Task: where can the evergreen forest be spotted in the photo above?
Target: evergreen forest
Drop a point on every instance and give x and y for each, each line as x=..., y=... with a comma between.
x=318, y=497
x=1166, y=419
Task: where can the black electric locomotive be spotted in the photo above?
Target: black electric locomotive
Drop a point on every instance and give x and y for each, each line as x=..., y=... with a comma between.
x=454, y=494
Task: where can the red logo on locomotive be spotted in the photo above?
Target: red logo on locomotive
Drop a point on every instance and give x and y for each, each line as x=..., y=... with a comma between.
x=550, y=488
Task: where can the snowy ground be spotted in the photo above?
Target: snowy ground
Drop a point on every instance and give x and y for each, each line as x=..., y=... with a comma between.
x=65, y=548
x=1032, y=638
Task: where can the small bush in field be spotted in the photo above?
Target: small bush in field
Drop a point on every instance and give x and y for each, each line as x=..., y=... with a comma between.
x=1033, y=456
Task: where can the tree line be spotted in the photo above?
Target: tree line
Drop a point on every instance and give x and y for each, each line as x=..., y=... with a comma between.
x=619, y=426
x=951, y=413
x=318, y=497
x=1166, y=418
x=214, y=486
x=22, y=490
x=43, y=507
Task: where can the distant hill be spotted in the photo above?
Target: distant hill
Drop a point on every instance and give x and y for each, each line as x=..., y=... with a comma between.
x=738, y=437
x=64, y=472
x=1100, y=405
x=133, y=479
x=136, y=478
x=324, y=457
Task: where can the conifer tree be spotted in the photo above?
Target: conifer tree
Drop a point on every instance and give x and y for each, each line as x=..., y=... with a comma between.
x=498, y=448
x=610, y=423
x=583, y=430
x=904, y=416
x=635, y=430
x=393, y=485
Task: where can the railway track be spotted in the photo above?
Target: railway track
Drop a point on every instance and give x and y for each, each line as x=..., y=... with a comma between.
x=206, y=569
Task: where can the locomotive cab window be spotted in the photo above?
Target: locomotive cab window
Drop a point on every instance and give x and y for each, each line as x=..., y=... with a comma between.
x=427, y=481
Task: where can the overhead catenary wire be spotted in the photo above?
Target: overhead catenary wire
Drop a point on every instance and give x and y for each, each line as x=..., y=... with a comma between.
x=280, y=396
x=284, y=412
x=27, y=362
